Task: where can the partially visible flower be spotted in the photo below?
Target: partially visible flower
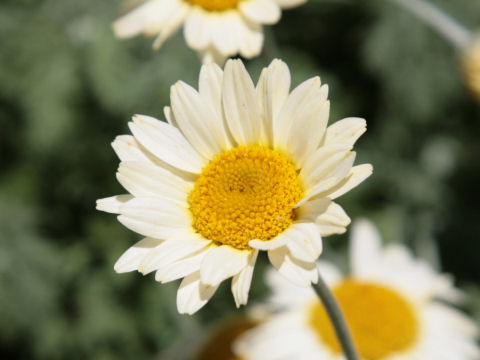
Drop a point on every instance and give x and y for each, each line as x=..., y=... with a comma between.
x=220, y=340
x=470, y=61
x=237, y=169
x=395, y=306
x=216, y=29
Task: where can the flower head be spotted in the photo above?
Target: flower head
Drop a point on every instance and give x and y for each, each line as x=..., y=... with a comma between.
x=238, y=168
x=395, y=307
x=216, y=29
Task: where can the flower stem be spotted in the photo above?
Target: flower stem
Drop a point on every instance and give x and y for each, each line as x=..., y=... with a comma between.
x=337, y=318
x=440, y=21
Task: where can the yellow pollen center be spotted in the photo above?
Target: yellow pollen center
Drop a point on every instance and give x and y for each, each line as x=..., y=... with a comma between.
x=243, y=194
x=215, y=5
x=381, y=321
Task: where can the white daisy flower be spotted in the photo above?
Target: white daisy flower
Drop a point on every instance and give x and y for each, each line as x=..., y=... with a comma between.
x=396, y=308
x=238, y=168
x=217, y=29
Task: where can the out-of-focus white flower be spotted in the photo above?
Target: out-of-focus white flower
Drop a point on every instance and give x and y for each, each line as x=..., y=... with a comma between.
x=394, y=304
x=216, y=29
x=236, y=169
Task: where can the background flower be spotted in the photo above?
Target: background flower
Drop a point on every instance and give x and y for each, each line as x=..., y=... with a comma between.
x=216, y=29
x=67, y=86
x=394, y=306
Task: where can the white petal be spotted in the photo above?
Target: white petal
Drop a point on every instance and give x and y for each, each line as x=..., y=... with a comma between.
x=172, y=250
x=346, y=131
x=132, y=258
x=167, y=111
x=322, y=164
x=272, y=89
x=192, y=294
x=285, y=294
x=144, y=179
x=260, y=11
x=312, y=209
x=305, y=243
x=198, y=120
x=299, y=104
x=148, y=18
x=147, y=228
x=128, y=149
x=210, y=89
x=241, y=282
x=227, y=32
x=112, y=204
x=333, y=221
x=223, y=262
x=298, y=272
x=197, y=30
x=172, y=25
x=167, y=143
x=182, y=267
x=242, y=108
x=356, y=175
x=252, y=41
x=157, y=210
x=287, y=4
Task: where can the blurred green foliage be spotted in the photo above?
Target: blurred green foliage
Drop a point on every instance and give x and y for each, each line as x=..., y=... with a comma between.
x=67, y=88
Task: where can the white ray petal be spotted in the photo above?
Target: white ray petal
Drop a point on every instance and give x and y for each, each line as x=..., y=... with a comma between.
x=260, y=11
x=157, y=210
x=193, y=294
x=241, y=106
x=365, y=248
x=299, y=272
x=298, y=105
x=346, y=131
x=148, y=18
x=112, y=204
x=241, y=282
x=128, y=149
x=305, y=243
x=272, y=90
x=356, y=175
x=198, y=120
x=333, y=221
x=172, y=250
x=227, y=32
x=175, y=21
x=252, y=42
x=223, y=262
x=167, y=143
x=132, y=258
x=182, y=267
x=197, y=30
x=144, y=179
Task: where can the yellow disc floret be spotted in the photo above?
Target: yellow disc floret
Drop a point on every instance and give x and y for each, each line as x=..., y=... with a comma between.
x=246, y=193
x=215, y=5
x=382, y=322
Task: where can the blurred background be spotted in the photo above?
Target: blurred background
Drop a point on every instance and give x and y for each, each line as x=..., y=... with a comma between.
x=68, y=87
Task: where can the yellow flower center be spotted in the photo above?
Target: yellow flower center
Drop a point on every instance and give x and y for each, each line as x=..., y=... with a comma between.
x=215, y=5
x=381, y=321
x=243, y=194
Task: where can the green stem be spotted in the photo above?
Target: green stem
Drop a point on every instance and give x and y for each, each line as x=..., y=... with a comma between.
x=440, y=21
x=337, y=318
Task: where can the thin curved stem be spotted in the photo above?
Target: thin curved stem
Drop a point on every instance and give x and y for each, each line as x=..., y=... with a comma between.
x=440, y=21
x=337, y=318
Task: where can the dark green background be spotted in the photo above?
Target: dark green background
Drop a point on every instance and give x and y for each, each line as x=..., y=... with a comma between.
x=67, y=88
